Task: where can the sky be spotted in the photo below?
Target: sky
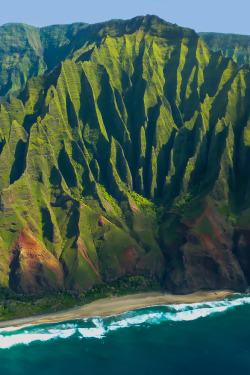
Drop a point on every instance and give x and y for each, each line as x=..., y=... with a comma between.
x=225, y=16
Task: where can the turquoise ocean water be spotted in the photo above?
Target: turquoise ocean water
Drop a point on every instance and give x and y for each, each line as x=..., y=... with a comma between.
x=202, y=338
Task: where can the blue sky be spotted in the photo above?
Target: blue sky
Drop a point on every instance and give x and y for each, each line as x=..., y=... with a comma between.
x=202, y=15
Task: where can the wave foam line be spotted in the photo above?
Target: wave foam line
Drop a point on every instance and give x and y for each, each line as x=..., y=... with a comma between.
x=98, y=327
x=12, y=329
x=27, y=338
x=174, y=313
x=98, y=332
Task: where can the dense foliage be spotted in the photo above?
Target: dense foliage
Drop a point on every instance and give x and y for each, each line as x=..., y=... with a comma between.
x=231, y=45
x=130, y=157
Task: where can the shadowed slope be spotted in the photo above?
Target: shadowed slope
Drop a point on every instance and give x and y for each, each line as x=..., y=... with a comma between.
x=134, y=160
x=231, y=45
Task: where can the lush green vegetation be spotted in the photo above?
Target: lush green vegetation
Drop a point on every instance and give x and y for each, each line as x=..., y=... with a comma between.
x=121, y=159
x=27, y=51
x=14, y=306
x=231, y=45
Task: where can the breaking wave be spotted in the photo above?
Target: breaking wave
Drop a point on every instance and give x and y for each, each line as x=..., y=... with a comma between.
x=99, y=328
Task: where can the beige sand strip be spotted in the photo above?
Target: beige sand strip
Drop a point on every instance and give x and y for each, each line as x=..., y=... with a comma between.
x=117, y=305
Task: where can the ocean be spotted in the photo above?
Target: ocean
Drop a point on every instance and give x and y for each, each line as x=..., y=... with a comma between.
x=200, y=338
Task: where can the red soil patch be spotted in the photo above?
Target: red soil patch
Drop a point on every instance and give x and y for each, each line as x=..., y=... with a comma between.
x=197, y=221
x=130, y=255
x=81, y=247
x=32, y=256
x=133, y=207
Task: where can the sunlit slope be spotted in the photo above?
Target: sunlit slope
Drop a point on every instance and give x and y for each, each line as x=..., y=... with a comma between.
x=131, y=157
x=231, y=45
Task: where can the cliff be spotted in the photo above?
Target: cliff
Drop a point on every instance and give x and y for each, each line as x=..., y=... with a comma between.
x=130, y=157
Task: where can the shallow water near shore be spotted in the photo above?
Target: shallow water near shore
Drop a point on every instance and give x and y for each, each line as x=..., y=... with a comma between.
x=199, y=338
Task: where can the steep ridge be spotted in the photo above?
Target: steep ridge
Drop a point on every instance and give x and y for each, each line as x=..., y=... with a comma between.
x=27, y=51
x=231, y=45
x=131, y=157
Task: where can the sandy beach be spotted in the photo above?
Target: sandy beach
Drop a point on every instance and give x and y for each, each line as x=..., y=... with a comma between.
x=117, y=305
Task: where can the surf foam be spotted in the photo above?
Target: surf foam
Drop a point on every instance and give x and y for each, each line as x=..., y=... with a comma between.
x=98, y=328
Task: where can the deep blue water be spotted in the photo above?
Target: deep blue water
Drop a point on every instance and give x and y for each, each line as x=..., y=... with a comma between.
x=205, y=338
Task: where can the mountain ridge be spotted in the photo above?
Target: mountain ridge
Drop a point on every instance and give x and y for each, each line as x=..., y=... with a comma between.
x=46, y=39
x=236, y=46
x=128, y=158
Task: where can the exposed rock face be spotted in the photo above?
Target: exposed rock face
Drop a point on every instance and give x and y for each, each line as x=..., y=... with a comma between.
x=242, y=251
x=203, y=257
x=33, y=268
x=131, y=157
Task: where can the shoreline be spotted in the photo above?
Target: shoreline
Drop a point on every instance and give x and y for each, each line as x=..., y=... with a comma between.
x=117, y=305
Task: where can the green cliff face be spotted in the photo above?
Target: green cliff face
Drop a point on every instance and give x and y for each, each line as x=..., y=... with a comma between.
x=27, y=51
x=131, y=157
x=231, y=45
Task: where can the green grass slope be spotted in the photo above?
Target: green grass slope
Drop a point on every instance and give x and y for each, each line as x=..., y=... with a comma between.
x=27, y=51
x=231, y=45
x=131, y=157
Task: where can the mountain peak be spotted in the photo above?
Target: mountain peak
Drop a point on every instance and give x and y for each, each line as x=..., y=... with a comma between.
x=128, y=158
x=150, y=24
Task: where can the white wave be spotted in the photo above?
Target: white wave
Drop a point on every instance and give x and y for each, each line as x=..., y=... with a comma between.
x=12, y=329
x=203, y=309
x=99, y=327
x=97, y=332
x=20, y=328
x=194, y=314
x=136, y=321
x=179, y=312
x=63, y=334
x=24, y=338
x=153, y=319
x=27, y=338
